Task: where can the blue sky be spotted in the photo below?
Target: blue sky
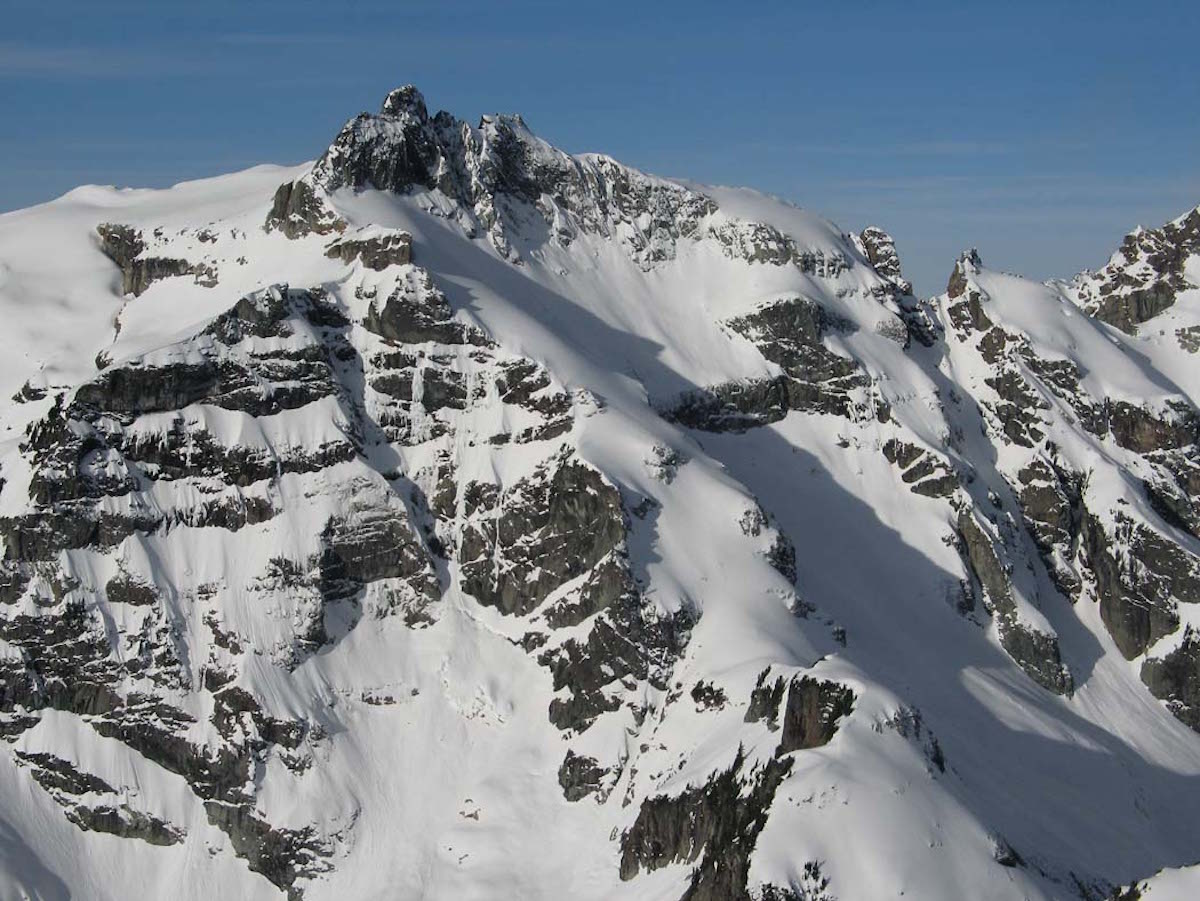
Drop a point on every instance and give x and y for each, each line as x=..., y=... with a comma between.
x=1038, y=132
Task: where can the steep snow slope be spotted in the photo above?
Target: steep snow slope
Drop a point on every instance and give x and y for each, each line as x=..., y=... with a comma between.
x=454, y=517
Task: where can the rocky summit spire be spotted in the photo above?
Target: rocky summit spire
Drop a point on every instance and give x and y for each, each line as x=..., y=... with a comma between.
x=968, y=263
x=1144, y=277
x=879, y=248
x=405, y=100
x=402, y=148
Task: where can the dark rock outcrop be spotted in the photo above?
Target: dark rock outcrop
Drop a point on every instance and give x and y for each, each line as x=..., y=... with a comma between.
x=714, y=825
x=417, y=312
x=1145, y=275
x=498, y=173
x=1034, y=651
x=124, y=822
x=550, y=529
x=281, y=855
x=376, y=252
x=1175, y=679
x=968, y=264
x=124, y=246
x=923, y=471
x=1051, y=508
x=628, y=643
x=1139, y=576
x=813, y=710
x=92, y=804
x=765, y=700
x=296, y=210
x=580, y=776
x=1017, y=408
x=1137, y=429
x=880, y=250
x=55, y=774
x=733, y=406
x=371, y=544
x=816, y=380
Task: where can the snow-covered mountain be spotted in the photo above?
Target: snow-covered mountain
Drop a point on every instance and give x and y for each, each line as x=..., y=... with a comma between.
x=457, y=518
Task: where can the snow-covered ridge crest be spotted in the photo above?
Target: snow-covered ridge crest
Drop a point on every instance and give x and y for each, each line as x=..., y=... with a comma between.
x=491, y=170
x=499, y=173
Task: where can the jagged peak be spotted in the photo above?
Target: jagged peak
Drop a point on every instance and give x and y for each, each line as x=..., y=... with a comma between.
x=490, y=170
x=1189, y=216
x=1183, y=229
x=405, y=100
x=1143, y=276
x=876, y=231
x=970, y=260
x=510, y=120
x=402, y=148
x=969, y=263
x=879, y=247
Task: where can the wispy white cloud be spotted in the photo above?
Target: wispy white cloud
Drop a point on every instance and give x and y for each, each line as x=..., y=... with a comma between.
x=47, y=61
x=1014, y=189
x=283, y=39
x=17, y=59
x=941, y=148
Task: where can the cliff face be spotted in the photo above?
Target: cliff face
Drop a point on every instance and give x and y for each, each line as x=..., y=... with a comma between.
x=458, y=517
